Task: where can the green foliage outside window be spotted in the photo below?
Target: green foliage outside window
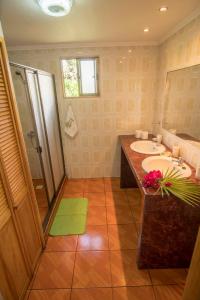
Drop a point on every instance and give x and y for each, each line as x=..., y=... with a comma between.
x=80, y=77
x=70, y=78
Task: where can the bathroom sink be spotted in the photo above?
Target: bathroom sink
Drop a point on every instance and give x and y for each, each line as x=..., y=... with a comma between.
x=147, y=147
x=163, y=163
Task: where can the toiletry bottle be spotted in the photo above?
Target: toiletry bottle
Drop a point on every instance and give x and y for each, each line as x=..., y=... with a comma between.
x=159, y=138
x=197, y=175
x=138, y=134
x=175, y=151
x=145, y=135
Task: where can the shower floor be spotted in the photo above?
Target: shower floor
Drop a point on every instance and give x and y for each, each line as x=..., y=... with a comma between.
x=39, y=187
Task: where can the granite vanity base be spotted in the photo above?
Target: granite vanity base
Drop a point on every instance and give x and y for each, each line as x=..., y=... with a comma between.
x=168, y=233
x=169, y=227
x=127, y=180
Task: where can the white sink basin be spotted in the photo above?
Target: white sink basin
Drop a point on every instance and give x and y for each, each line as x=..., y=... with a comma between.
x=163, y=163
x=147, y=147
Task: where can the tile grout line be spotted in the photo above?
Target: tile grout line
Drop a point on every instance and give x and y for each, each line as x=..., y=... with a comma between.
x=134, y=223
x=35, y=272
x=26, y=297
x=77, y=247
x=75, y=260
x=154, y=294
x=132, y=213
x=109, y=252
x=108, y=287
x=82, y=192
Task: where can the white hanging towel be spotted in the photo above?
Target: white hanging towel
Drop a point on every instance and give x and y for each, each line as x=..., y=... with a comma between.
x=71, y=127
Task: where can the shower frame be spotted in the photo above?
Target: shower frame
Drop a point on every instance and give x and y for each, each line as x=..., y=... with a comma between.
x=28, y=96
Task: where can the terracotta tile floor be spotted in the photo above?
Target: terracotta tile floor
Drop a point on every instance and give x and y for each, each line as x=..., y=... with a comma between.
x=101, y=264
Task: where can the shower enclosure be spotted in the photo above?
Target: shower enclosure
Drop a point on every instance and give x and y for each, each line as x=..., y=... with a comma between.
x=37, y=105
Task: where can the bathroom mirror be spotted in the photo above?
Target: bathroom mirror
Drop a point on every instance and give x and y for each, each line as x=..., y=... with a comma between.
x=181, y=114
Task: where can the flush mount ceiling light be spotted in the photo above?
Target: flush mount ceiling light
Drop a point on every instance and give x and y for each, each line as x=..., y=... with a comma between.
x=163, y=8
x=146, y=29
x=56, y=8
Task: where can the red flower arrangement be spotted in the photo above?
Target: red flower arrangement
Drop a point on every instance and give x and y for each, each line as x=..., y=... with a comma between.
x=172, y=183
x=153, y=179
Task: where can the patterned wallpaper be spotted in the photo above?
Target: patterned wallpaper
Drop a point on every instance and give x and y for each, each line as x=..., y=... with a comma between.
x=128, y=77
x=180, y=50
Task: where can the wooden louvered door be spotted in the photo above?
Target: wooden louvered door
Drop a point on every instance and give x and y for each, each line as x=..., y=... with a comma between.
x=13, y=271
x=4, y=209
x=20, y=226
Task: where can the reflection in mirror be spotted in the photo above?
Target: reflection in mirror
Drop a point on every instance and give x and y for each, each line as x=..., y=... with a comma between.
x=182, y=104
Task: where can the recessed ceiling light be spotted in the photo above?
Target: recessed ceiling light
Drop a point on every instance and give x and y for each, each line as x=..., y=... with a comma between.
x=163, y=8
x=129, y=50
x=146, y=29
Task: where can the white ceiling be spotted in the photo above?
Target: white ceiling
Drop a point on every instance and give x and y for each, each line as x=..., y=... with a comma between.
x=92, y=21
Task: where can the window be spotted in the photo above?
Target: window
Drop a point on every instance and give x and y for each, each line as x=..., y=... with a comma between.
x=80, y=77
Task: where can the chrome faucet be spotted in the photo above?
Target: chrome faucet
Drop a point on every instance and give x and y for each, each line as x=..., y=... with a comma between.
x=179, y=161
x=156, y=142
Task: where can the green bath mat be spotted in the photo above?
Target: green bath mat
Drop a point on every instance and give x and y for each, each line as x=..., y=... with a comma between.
x=75, y=206
x=68, y=225
x=70, y=217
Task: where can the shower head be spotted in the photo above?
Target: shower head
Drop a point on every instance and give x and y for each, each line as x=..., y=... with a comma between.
x=18, y=73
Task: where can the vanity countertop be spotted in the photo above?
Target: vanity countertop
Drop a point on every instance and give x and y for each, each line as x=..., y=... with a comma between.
x=169, y=226
x=135, y=162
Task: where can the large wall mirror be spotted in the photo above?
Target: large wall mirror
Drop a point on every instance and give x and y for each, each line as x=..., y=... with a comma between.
x=181, y=114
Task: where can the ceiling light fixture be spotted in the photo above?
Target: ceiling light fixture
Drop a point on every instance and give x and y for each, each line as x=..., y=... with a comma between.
x=163, y=8
x=146, y=29
x=55, y=8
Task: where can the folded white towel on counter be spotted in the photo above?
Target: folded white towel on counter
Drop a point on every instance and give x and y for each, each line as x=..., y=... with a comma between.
x=71, y=127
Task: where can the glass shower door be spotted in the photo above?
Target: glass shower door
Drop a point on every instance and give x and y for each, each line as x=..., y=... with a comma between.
x=42, y=138
x=50, y=113
x=30, y=137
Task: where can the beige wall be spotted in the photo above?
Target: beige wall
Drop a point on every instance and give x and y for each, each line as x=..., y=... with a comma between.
x=132, y=96
x=128, y=90
x=180, y=50
x=1, y=31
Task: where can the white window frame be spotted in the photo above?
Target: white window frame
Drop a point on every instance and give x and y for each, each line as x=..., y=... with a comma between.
x=81, y=94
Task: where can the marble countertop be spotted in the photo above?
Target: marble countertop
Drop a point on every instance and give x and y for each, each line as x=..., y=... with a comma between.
x=135, y=162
